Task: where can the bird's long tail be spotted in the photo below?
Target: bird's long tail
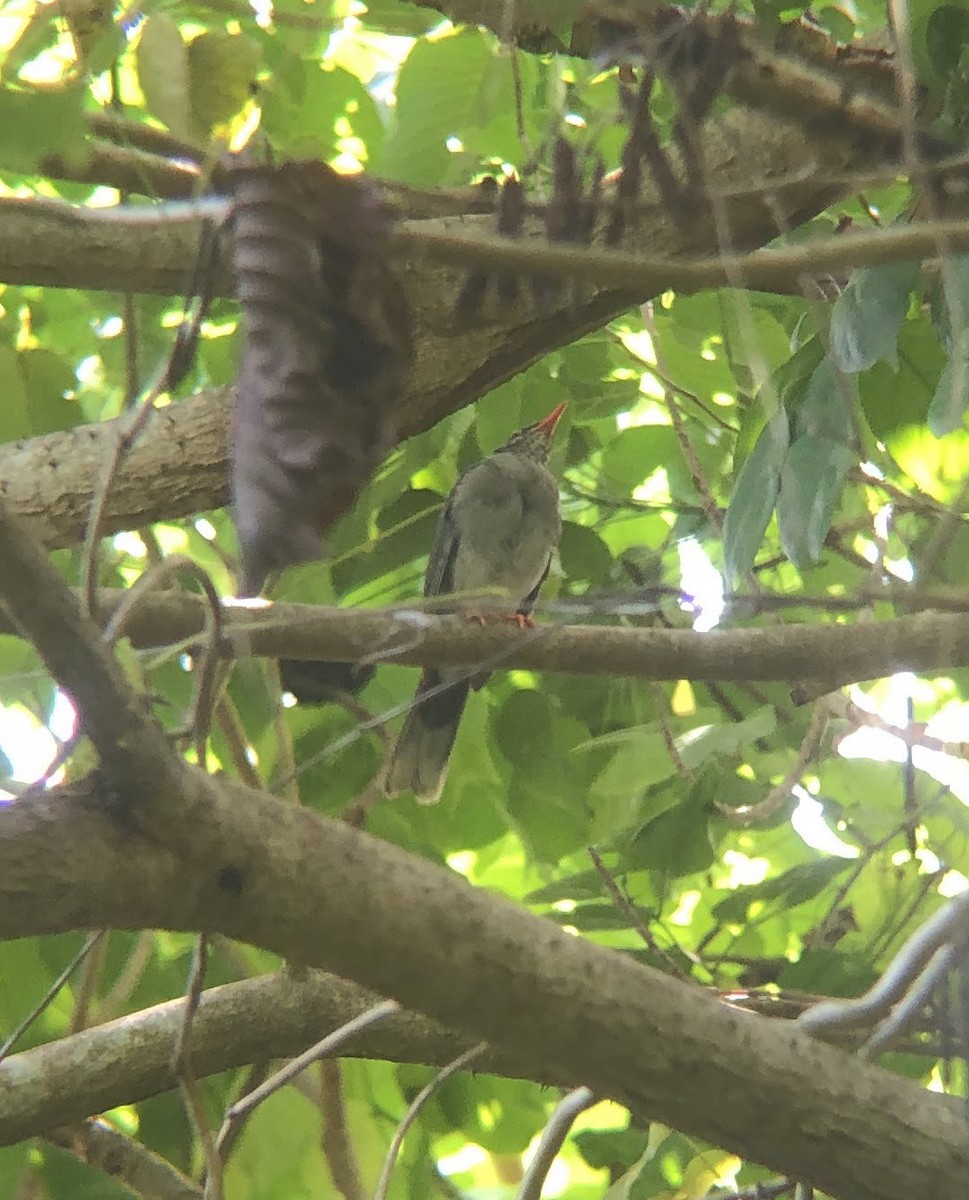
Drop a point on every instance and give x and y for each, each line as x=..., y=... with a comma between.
x=420, y=759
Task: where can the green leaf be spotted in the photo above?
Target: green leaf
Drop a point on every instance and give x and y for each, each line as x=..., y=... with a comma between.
x=399, y=18
x=40, y=33
x=796, y=886
x=701, y=745
x=952, y=391
x=868, y=315
x=522, y=725
x=584, y=555
x=642, y=760
x=602, y=1148
x=826, y=409
x=677, y=842
x=439, y=93
x=938, y=34
x=14, y=1164
x=752, y=502
x=894, y=399
x=46, y=377
x=14, y=413
x=636, y=453
x=301, y=115
x=828, y=973
x=812, y=481
x=37, y=125
x=585, y=885
x=163, y=73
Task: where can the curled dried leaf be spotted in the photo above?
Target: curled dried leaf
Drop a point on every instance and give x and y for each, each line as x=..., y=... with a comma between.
x=327, y=347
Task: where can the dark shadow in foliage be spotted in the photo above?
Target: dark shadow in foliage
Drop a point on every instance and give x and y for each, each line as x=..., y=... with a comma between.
x=322, y=682
x=327, y=348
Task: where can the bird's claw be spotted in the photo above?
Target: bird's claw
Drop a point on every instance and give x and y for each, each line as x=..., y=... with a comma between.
x=522, y=620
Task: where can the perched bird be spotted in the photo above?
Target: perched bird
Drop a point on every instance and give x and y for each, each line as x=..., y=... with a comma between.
x=497, y=530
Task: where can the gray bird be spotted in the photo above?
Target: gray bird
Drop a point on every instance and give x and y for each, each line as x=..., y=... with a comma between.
x=497, y=530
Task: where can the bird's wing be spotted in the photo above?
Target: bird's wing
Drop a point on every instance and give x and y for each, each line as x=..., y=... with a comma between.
x=528, y=603
x=439, y=577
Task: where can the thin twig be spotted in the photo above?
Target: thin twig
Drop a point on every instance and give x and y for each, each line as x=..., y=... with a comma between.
x=88, y=985
x=255, y=1077
x=330, y=1044
x=126, y=433
x=336, y=1141
x=553, y=1137
x=751, y=814
x=192, y=1100
x=409, y=1117
x=130, y=976
x=196, y=981
x=231, y=727
x=50, y=995
x=630, y=911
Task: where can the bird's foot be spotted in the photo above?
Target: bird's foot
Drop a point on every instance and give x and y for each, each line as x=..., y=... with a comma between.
x=522, y=620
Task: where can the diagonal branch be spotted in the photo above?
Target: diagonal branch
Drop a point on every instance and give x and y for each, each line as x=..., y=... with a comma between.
x=320, y=893
x=167, y=847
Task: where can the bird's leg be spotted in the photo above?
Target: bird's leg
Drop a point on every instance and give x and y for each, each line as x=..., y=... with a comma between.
x=522, y=620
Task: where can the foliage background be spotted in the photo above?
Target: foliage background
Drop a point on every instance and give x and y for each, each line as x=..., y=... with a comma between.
x=811, y=452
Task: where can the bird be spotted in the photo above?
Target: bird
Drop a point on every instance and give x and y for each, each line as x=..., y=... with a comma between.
x=498, y=529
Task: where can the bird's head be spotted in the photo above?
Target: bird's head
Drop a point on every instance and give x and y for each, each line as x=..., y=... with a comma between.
x=535, y=441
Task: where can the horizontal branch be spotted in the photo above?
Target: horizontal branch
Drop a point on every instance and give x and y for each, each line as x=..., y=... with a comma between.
x=275, y=1016
x=830, y=654
x=167, y=846
x=179, y=465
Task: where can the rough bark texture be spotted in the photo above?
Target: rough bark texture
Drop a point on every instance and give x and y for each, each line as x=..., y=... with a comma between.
x=796, y=652
x=258, y=869
x=179, y=464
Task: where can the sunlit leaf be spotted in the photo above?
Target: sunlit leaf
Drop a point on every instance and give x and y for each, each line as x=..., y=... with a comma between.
x=752, y=502
x=868, y=315
x=163, y=73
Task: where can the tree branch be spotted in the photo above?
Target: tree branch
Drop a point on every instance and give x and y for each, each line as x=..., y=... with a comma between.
x=255, y=868
x=274, y=1016
x=831, y=654
x=168, y=847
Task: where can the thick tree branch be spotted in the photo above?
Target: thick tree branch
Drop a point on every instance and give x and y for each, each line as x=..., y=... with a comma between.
x=178, y=467
x=168, y=847
x=832, y=655
x=117, y=720
x=274, y=1016
x=255, y=868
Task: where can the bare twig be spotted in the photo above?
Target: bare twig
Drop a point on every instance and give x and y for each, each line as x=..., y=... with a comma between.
x=946, y=927
x=553, y=1136
x=750, y=814
x=336, y=1140
x=88, y=985
x=625, y=905
x=329, y=1045
x=409, y=1117
x=50, y=995
x=188, y=1085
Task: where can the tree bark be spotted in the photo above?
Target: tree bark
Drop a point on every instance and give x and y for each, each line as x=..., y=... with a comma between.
x=321, y=894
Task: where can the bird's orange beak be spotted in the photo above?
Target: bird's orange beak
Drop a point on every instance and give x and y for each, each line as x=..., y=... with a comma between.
x=547, y=426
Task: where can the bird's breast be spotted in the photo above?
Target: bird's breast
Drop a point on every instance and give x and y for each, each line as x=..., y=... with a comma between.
x=506, y=516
